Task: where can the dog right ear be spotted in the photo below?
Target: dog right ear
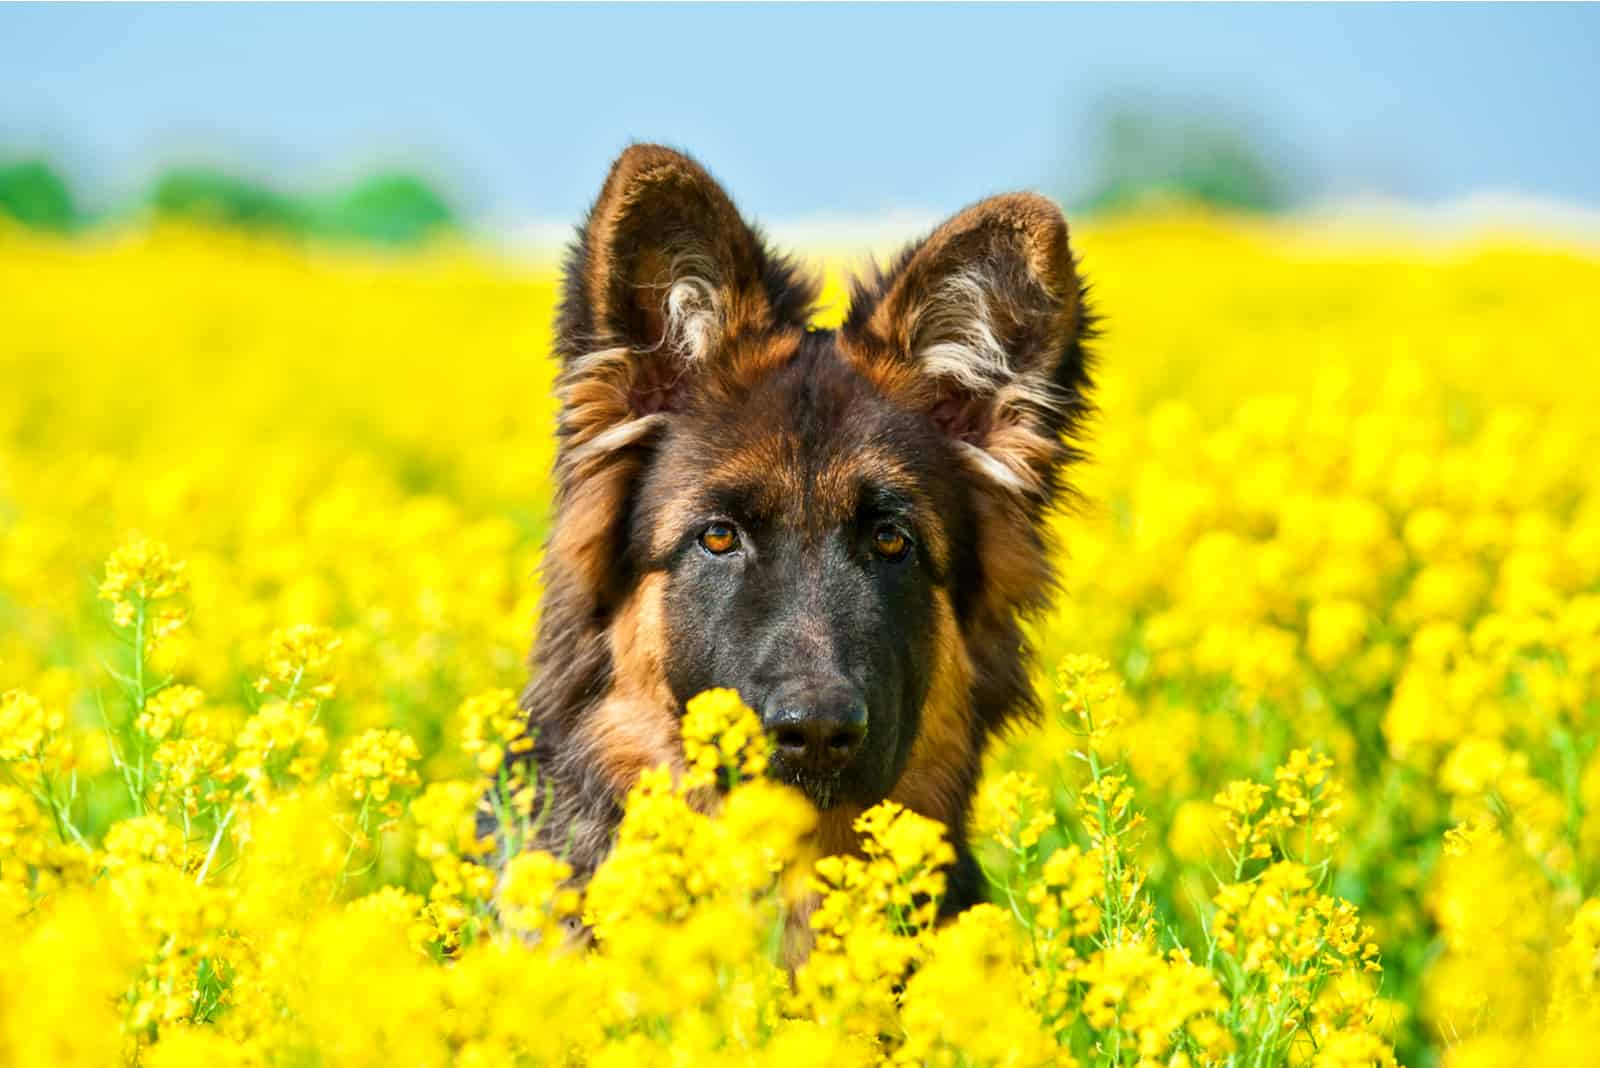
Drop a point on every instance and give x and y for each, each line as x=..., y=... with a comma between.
x=981, y=326
x=665, y=276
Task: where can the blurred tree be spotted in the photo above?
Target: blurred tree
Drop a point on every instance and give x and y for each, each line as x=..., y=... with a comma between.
x=391, y=209
x=35, y=195
x=200, y=194
x=1148, y=152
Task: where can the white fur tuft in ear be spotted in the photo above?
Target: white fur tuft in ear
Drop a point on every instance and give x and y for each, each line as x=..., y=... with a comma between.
x=956, y=338
x=953, y=333
x=692, y=315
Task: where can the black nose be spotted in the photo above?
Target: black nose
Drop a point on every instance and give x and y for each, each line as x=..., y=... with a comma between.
x=816, y=730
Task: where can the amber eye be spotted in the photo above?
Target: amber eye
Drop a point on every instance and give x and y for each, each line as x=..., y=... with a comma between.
x=890, y=543
x=719, y=539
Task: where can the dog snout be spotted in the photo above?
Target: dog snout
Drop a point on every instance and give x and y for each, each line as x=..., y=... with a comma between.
x=818, y=729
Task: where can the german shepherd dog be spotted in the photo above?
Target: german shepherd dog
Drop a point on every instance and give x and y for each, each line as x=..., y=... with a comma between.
x=845, y=526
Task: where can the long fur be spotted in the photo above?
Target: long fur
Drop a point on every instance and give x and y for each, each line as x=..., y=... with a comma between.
x=672, y=307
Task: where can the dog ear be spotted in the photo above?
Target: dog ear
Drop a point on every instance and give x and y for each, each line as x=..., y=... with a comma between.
x=664, y=276
x=981, y=326
x=667, y=289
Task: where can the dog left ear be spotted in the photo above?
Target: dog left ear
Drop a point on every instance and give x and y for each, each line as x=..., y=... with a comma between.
x=665, y=276
x=667, y=290
x=981, y=326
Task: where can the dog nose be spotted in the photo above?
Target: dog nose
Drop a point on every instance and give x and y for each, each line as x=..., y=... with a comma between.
x=819, y=732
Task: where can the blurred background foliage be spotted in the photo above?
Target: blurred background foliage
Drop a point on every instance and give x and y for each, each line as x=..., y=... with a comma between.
x=36, y=195
x=1148, y=152
x=385, y=208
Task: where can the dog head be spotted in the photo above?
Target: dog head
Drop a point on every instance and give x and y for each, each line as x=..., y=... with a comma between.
x=841, y=525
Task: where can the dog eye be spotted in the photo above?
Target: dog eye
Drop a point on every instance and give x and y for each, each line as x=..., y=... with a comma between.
x=719, y=539
x=890, y=543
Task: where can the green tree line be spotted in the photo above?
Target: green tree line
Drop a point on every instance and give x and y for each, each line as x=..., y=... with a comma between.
x=389, y=208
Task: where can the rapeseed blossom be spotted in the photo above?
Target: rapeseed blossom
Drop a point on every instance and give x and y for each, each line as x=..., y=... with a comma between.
x=1316, y=783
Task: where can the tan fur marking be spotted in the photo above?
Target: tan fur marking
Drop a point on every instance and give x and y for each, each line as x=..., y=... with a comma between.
x=768, y=463
x=594, y=394
x=759, y=356
x=675, y=517
x=585, y=530
x=1016, y=569
x=835, y=488
x=836, y=833
x=634, y=728
x=798, y=938
x=893, y=377
x=933, y=779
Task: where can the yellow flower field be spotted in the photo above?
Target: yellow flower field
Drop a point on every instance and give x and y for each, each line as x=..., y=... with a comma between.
x=1319, y=784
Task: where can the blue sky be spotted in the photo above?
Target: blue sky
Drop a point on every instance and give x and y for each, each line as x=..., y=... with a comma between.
x=828, y=111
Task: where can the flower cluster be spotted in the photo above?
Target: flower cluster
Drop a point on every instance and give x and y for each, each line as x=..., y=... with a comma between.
x=28, y=731
x=723, y=742
x=1323, y=688
x=1261, y=822
x=141, y=582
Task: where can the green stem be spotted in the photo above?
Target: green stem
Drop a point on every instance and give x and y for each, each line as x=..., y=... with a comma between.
x=360, y=832
x=139, y=697
x=216, y=841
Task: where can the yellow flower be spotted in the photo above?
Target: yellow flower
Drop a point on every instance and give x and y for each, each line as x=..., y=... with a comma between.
x=1242, y=803
x=968, y=1003
x=1374, y=567
x=281, y=741
x=1091, y=698
x=1157, y=1001
x=298, y=661
x=197, y=1047
x=534, y=897
x=145, y=839
x=22, y=847
x=165, y=712
x=140, y=575
x=26, y=725
x=445, y=818
x=60, y=986
x=375, y=764
x=1334, y=630
x=1280, y=927
x=401, y=909
x=723, y=741
x=1066, y=899
x=1014, y=809
x=493, y=725
x=1197, y=828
